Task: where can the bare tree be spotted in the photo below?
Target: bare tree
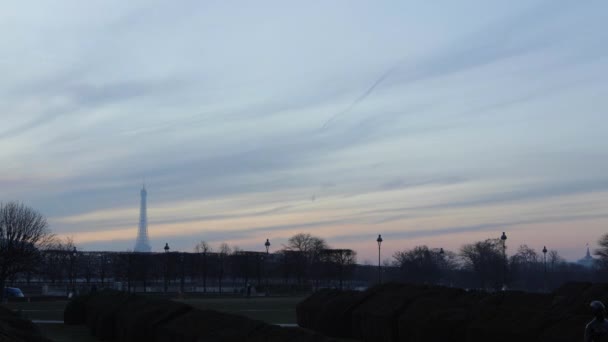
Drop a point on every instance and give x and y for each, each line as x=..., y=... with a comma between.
x=526, y=259
x=304, y=242
x=420, y=264
x=203, y=248
x=554, y=259
x=602, y=251
x=485, y=260
x=339, y=261
x=307, y=250
x=23, y=231
x=526, y=268
x=224, y=251
x=56, y=259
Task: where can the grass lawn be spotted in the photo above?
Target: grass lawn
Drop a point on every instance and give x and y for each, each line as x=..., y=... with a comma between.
x=52, y=311
x=275, y=310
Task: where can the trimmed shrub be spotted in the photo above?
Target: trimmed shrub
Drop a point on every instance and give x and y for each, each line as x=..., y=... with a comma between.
x=569, y=297
x=75, y=312
x=307, y=310
x=329, y=312
x=510, y=325
x=138, y=318
x=15, y=329
x=335, y=317
x=273, y=333
x=568, y=329
x=376, y=317
x=512, y=316
x=449, y=309
x=399, y=312
x=206, y=325
x=101, y=310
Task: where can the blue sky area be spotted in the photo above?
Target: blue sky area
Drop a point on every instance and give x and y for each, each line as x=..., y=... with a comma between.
x=435, y=123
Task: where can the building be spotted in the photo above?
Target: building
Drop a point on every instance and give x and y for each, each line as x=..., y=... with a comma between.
x=142, y=244
x=587, y=261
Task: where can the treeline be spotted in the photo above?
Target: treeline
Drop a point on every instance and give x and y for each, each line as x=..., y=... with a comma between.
x=305, y=262
x=29, y=252
x=486, y=265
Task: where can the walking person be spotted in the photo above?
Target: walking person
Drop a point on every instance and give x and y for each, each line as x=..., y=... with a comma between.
x=597, y=329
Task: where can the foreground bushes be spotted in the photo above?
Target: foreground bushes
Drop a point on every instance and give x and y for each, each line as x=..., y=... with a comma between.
x=402, y=312
x=117, y=316
x=16, y=329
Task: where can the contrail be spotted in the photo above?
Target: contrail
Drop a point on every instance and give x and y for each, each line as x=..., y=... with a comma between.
x=360, y=98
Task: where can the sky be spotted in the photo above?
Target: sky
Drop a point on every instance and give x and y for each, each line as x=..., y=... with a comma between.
x=437, y=123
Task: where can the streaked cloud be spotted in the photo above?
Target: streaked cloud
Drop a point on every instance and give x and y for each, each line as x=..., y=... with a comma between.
x=427, y=122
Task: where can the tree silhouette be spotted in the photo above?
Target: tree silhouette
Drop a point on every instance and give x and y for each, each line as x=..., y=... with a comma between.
x=602, y=251
x=23, y=231
x=485, y=260
x=420, y=264
x=306, y=250
x=203, y=248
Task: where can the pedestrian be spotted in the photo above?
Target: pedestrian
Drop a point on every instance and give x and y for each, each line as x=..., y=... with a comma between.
x=597, y=329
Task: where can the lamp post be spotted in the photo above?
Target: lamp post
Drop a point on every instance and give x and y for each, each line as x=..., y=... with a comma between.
x=267, y=245
x=545, y=267
x=73, y=255
x=129, y=255
x=105, y=269
x=503, y=238
x=102, y=268
x=166, y=265
x=205, y=270
x=379, y=241
x=181, y=260
x=441, y=254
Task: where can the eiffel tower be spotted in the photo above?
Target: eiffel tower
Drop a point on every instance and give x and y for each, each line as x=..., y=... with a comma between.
x=142, y=244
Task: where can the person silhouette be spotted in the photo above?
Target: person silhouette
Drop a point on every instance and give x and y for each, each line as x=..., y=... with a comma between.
x=597, y=329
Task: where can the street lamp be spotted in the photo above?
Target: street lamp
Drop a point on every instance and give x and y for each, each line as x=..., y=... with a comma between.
x=181, y=259
x=102, y=269
x=503, y=238
x=379, y=241
x=545, y=266
x=72, y=257
x=166, y=265
x=129, y=255
x=267, y=245
x=441, y=254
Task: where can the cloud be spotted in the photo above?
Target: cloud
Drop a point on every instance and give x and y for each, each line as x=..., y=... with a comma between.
x=525, y=193
x=490, y=227
x=434, y=113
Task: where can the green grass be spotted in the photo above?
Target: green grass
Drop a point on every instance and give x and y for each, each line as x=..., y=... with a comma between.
x=53, y=311
x=275, y=310
x=67, y=333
